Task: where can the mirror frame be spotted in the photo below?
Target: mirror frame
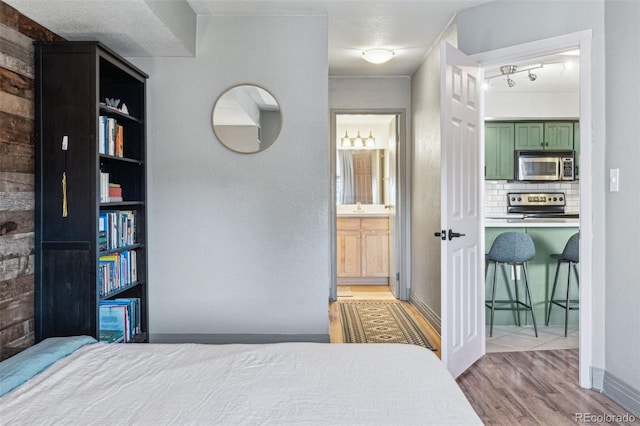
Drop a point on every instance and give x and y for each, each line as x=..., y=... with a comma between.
x=229, y=146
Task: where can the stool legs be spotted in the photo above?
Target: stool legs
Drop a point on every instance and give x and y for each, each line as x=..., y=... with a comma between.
x=526, y=285
x=566, y=301
x=528, y=300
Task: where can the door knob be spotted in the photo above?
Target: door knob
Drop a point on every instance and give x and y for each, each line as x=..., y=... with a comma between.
x=453, y=235
x=442, y=234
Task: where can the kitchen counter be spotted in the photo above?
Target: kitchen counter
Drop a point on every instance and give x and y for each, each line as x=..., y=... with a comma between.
x=519, y=222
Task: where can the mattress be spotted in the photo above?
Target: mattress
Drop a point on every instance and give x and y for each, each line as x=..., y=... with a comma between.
x=283, y=383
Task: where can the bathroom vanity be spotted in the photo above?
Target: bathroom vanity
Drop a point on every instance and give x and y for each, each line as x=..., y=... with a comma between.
x=362, y=248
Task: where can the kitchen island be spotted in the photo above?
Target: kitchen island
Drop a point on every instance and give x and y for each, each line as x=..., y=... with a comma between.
x=549, y=236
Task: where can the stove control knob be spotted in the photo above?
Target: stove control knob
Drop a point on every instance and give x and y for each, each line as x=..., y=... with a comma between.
x=560, y=198
x=555, y=198
x=513, y=198
x=519, y=199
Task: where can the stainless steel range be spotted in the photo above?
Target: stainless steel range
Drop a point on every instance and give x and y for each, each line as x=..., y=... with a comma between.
x=538, y=204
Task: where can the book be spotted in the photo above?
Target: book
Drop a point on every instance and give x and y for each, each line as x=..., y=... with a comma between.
x=119, y=144
x=113, y=322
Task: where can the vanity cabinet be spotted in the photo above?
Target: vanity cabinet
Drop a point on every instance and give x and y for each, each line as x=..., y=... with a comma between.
x=499, y=143
x=363, y=250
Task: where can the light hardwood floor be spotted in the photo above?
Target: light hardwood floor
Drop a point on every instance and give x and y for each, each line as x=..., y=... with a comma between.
x=508, y=388
x=377, y=293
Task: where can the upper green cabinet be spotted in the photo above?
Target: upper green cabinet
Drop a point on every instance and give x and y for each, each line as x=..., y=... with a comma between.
x=529, y=135
x=558, y=135
x=544, y=135
x=498, y=150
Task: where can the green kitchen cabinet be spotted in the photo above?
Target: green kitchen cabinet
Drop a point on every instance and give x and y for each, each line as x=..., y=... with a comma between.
x=544, y=135
x=558, y=135
x=529, y=136
x=576, y=147
x=541, y=272
x=498, y=150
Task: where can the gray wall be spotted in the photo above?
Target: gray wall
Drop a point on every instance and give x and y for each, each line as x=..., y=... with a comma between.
x=425, y=191
x=622, y=151
x=238, y=244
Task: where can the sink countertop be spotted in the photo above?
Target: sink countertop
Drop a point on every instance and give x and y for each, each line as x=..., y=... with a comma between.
x=366, y=210
x=362, y=214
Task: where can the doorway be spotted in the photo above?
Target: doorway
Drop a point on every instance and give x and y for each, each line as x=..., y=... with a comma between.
x=582, y=41
x=367, y=157
x=528, y=103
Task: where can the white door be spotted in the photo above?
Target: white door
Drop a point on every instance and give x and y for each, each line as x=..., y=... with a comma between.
x=462, y=257
x=391, y=201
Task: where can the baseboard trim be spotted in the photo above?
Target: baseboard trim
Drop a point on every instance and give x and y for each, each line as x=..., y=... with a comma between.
x=597, y=378
x=426, y=311
x=622, y=393
x=219, y=339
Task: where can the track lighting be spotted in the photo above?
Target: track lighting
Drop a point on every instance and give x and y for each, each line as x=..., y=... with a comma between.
x=509, y=70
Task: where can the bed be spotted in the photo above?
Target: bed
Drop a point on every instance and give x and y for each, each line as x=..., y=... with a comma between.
x=76, y=380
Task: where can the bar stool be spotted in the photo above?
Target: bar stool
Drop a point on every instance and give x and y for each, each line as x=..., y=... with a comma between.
x=571, y=256
x=515, y=249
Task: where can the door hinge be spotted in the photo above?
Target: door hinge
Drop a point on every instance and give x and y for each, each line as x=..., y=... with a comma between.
x=397, y=277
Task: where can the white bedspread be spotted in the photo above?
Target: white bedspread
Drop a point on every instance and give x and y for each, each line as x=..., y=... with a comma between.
x=287, y=383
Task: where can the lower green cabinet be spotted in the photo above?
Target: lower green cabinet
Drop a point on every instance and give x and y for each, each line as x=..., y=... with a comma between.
x=541, y=271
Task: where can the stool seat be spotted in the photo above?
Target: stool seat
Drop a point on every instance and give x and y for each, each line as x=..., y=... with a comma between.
x=515, y=249
x=571, y=256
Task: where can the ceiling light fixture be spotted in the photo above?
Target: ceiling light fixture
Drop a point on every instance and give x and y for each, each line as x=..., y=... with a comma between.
x=358, y=141
x=532, y=77
x=510, y=82
x=377, y=55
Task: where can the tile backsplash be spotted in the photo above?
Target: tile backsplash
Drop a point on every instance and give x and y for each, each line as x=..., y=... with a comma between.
x=495, y=194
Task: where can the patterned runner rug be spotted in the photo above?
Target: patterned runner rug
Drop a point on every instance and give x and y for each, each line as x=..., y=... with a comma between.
x=370, y=322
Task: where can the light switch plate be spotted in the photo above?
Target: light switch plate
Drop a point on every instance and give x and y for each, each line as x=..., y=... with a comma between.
x=614, y=180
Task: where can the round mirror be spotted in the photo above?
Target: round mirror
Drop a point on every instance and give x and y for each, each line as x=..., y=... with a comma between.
x=246, y=118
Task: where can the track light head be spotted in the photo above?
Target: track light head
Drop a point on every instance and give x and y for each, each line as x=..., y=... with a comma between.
x=510, y=82
x=532, y=77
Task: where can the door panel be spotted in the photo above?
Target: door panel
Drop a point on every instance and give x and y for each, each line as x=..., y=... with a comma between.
x=462, y=284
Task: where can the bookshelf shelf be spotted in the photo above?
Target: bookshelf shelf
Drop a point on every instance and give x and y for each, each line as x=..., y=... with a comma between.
x=73, y=268
x=107, y=110
x=115, y=293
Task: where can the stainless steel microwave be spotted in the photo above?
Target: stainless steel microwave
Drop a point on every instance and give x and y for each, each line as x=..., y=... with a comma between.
x=545, y=165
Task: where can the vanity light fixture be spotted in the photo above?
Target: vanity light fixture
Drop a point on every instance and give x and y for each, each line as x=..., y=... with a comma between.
x=377, y=55
x=358, y=141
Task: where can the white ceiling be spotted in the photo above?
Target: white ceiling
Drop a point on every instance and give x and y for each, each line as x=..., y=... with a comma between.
x=167, y=28
x=133, y=27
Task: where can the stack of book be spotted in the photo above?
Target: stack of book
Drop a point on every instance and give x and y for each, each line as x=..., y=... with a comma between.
x=117, y=271
x=111, y=137
x=118, y=227
x=110, y=192
x=119, y=319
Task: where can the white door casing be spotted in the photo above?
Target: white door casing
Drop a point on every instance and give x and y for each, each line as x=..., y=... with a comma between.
x=462, y=257
x=391, y=202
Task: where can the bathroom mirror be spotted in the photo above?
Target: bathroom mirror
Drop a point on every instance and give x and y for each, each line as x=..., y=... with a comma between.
x=365, y=148
x=246, y=118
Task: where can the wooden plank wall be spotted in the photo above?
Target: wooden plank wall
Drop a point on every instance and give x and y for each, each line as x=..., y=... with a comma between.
x=17, y=171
